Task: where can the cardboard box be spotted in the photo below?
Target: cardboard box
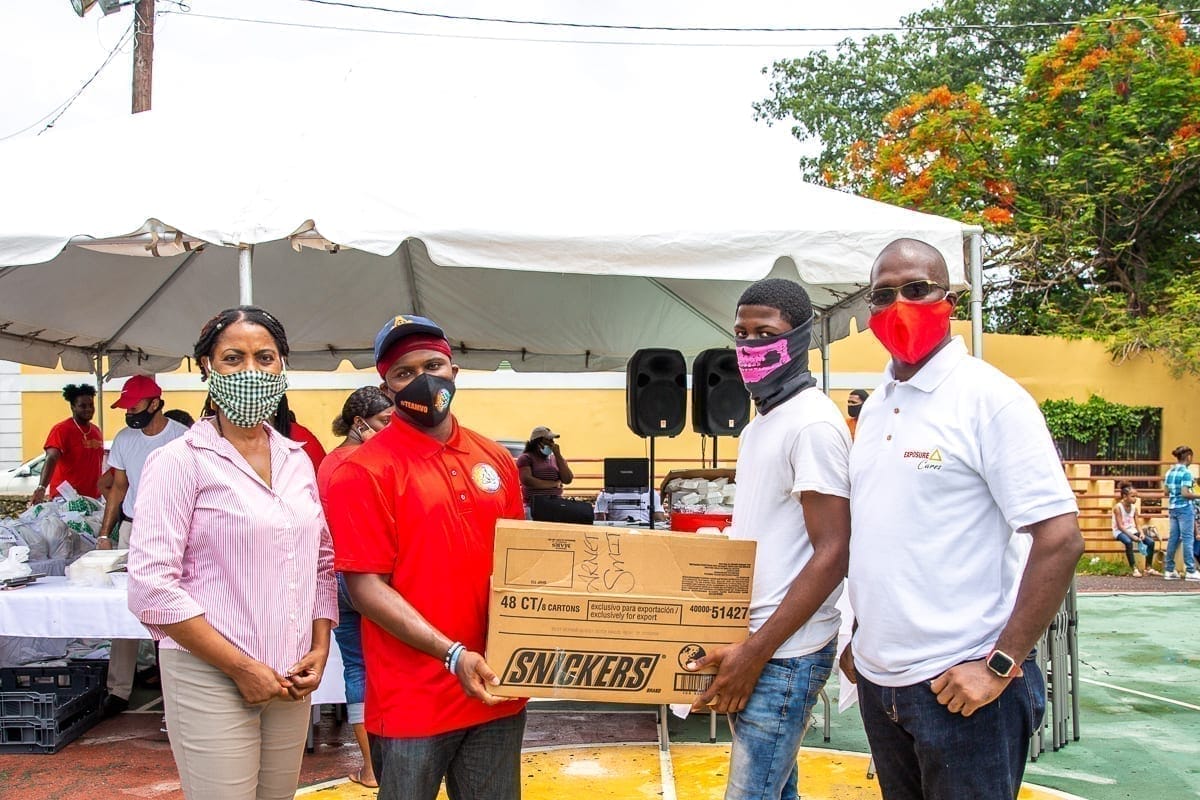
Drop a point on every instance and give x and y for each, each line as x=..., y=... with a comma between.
x=612, y=614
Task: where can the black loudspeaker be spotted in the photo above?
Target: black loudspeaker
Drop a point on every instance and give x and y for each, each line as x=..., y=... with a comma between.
x=656, y=392
x=720, y=402
x=547, y=508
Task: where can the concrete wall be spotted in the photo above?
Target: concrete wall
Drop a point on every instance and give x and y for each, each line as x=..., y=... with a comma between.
x=11, y=445
x=589, y=409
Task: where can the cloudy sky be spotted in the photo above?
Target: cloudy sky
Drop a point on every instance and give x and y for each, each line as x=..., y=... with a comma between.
x=309, y=59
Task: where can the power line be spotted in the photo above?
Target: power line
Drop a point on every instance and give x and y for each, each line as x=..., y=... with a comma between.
x=611, y=42
x=426, y=34
x=56, y=113
x=733, y=29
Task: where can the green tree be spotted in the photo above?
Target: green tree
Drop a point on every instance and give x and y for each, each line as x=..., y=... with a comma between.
x=1084, y=172
x=1106, y=153
x=843, y=97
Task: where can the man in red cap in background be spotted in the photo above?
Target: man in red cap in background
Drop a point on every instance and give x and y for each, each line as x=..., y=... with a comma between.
x=413, y=514
x=146, y=430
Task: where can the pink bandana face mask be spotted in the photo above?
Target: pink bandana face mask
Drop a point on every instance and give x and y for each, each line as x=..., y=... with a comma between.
x=757, y=362
x=776, y=368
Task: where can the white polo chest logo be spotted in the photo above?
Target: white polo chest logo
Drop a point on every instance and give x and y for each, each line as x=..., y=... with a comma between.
x=924, y=460
x=486, y=477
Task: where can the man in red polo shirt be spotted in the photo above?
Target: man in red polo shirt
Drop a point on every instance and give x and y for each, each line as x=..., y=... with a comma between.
x=413, y=514
x=74, y=448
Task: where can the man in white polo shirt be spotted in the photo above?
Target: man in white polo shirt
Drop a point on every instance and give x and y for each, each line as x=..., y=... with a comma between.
x=146, y=430
x=964, y=540
x=793, y=490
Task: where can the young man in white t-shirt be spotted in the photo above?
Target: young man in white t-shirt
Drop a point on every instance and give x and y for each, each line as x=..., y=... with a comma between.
x=146, y=430
x=793, y=490
x=964, y=543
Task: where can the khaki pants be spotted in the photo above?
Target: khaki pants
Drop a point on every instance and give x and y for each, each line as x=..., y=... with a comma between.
x=223, y=747
x=122, y=655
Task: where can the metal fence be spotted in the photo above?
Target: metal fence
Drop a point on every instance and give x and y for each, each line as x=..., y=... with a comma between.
x=1143, y=446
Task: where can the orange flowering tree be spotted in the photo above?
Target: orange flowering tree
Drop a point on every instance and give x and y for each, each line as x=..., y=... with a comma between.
x=942, y=154
x=840, y=96
x=1085, y=176
x=1106, y=157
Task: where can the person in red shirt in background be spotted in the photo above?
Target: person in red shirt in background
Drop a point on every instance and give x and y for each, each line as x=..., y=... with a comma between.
x=365, y=412
x=413, y=513
x=285, y=423
x=854, y=405
x=74, y=448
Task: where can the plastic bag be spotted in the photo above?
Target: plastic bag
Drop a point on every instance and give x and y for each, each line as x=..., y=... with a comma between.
x=59, y=538
x=9, y=538
x=31, y=535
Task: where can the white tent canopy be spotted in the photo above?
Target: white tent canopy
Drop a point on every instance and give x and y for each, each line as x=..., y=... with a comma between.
x=554, y=249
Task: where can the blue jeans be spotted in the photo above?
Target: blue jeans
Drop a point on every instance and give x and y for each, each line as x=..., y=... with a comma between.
x=349, y=640
x=479, y=763
x=924, y=752
x=767, y=733
x=1182, y=522
x=1127, y=540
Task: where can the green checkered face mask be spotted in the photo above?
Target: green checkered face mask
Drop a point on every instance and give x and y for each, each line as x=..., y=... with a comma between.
x=249, y=397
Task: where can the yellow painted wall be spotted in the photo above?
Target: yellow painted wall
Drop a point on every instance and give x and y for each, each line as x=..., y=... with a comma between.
x=592, y=421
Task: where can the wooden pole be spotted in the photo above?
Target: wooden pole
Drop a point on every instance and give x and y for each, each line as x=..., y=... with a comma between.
x=143, y=55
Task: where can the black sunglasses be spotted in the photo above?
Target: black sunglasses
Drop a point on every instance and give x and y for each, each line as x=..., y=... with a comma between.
x=914, y=292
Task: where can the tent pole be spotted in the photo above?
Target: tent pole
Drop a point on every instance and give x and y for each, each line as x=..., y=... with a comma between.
x=100, y=391
x=977, y=294
x=650, y=524
x=245, y=274
x=825, y=353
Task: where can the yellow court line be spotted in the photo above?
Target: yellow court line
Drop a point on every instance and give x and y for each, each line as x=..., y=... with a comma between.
x=633, y=772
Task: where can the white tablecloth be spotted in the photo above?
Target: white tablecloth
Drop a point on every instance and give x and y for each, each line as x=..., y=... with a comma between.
x=52, y=608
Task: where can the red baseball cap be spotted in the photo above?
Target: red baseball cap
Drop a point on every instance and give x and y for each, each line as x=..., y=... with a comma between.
x=135, y=390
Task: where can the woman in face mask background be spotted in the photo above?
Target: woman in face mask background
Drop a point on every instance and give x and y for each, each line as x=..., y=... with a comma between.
x=365, y=412
x=231, y=569
x=854, y=405
x=542, y=468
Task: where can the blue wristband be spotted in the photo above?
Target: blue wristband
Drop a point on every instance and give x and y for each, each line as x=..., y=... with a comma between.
x=454, y=660
x=451, y=656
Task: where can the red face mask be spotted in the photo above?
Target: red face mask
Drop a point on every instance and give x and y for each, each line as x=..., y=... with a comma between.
x=910, y=331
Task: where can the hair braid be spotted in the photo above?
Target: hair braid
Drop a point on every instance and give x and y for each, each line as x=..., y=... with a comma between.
x=212, y=329
x=364, y=402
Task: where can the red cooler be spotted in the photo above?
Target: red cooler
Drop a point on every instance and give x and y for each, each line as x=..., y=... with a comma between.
x=694, y=522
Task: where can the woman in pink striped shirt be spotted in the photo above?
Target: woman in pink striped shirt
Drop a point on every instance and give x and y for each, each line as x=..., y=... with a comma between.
x=231, y=568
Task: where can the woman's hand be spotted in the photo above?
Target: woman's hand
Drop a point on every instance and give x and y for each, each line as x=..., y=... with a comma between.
x=258, y=683
x=305, y=675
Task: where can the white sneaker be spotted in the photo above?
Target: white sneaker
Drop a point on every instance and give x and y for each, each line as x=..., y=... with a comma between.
x=1172, y=575
x=1137, y=573
x=1194, y=575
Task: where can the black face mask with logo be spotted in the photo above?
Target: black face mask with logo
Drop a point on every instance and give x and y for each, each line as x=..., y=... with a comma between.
x=141, y=419
x=426, y=400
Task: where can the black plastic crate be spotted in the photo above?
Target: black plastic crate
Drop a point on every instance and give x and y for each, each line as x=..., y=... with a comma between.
x=38, y=707
x=45, y=736
x=65, y=681
x=44, y=708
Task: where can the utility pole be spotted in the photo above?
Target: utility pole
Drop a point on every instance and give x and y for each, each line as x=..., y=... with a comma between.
x=143, y=54
x=143, y=42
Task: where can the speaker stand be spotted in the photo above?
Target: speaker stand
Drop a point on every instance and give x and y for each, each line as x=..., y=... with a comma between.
x=651, y=498
x=715, y=437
